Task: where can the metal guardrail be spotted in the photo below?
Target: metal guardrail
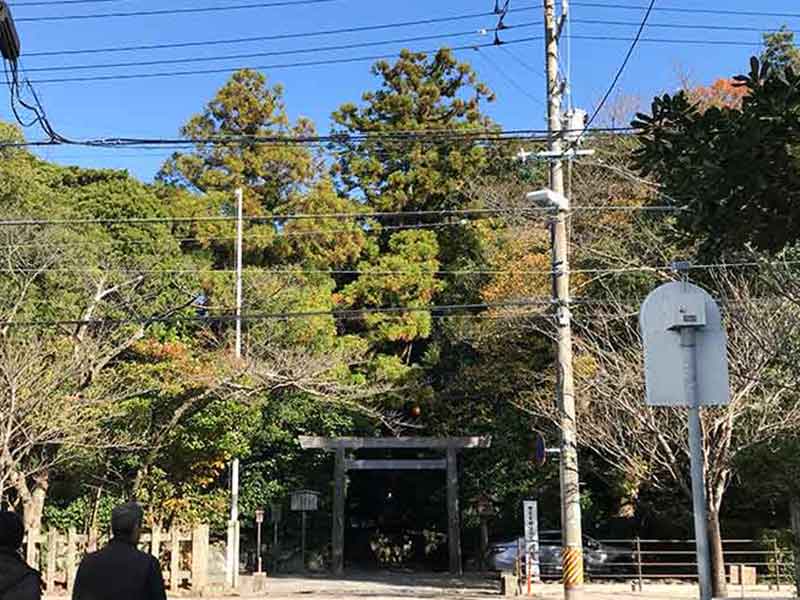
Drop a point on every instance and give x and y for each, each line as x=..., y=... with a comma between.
x=638, y=560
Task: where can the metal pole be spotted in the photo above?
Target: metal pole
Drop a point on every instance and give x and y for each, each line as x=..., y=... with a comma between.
x=235, y=520
x=239, y=236
x=572, y=552
x=275, y=549
x=232, y=555
x=639, y=562
x=689, y=345
x=233, y=528
x=258, y=546
x=520, y=546
x=303, y=541
x=794, y=511
x=777, y=555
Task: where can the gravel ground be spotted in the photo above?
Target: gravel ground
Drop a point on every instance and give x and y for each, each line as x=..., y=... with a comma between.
x=394, y=586
x=399, y=586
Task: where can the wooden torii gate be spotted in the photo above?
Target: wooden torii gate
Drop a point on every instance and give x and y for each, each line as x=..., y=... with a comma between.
x=343, y=448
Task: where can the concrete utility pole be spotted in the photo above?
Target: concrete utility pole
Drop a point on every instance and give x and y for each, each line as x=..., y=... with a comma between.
x=572, y=544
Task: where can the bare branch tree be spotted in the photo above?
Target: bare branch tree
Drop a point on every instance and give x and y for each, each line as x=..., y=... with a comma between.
x=47, y=415
x=273, y=369
x=648, y=444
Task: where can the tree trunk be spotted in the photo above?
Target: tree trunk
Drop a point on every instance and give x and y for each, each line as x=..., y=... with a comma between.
x=4, y=503
x=794, y=507
x=33, y=499
x=719, y=583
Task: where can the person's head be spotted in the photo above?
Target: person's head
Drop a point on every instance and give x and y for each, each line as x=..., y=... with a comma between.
x=12, y=531
x=126, y=522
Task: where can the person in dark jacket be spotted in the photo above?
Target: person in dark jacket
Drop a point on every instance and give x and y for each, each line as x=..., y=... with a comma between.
x=17, y=580
x=120, y=571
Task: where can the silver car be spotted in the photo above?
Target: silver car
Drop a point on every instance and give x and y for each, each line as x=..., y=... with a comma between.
x=600, y=560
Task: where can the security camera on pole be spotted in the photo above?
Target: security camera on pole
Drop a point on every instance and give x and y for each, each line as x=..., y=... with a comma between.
x=686, y=365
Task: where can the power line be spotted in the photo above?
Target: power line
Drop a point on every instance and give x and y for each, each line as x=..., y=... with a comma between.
x=624, y=64
x=374, y=57
x=59, y=2
x=632, y=176
x=250, y=238
x=381, y=27
x=202, y=59
x=263, y=219
x=50, y=244
x=391, y=272
x=331, y=216
x=702, y=11
x=525, y=65
x=311, y=63
x=171, y=11
x=287, y=3
x=690, y=26
x=278, y=316
x=426, y=135
x=682, y=41
x=282, y=36
x=513, y=82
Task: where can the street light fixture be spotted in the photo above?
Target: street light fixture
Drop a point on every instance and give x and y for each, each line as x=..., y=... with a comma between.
x=9, y=39
x=547, y=198
x=259, y=521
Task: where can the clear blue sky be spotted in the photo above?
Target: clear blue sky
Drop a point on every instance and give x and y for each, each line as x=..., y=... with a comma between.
x=158, y=107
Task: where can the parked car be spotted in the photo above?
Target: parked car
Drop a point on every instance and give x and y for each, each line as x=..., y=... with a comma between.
x=600, y=560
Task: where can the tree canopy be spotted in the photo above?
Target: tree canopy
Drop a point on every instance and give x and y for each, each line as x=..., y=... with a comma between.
x=734, y=169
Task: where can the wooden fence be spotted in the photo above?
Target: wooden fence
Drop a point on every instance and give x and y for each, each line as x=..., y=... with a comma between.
x=183, y=556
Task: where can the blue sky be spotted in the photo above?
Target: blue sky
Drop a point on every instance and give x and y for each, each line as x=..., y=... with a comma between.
x=157, y=107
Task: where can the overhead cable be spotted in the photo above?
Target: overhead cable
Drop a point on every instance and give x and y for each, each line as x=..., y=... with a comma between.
x=700, y=11
x=312, y=50
x=288, y=3
x=172, y=11
x=622, y=67
x=390, y=26
x=267, y=38
x=413, y=272
x=332, y=216
x=277, y=316
x=338, y=138
x=291, y=65
x=376, y=57
x=58, y=2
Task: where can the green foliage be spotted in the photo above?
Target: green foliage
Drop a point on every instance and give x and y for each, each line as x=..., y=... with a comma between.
x=277, y=465
x=781, y=51
x=737, y=170
x=82, y=513
x=417, y=93
x=244, y=106
x=404, y=276
x=192, y=408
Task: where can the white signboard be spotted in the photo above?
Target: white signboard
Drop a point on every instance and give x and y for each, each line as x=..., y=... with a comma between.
x=304, y=500
x=665, y=311
x=530, y=509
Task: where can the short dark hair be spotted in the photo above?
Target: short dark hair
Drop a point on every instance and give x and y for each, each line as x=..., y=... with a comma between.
x=126, y=518
x=12, y=530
